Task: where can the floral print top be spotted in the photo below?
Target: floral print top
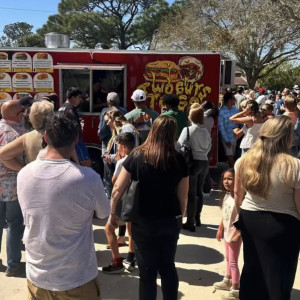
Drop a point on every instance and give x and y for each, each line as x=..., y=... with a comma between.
x=9, y=130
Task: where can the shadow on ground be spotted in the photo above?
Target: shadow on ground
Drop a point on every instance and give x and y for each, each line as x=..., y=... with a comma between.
x=198, y=277
x=206, y=230
x=197, y=254
x=295, y=294
x=99, y=236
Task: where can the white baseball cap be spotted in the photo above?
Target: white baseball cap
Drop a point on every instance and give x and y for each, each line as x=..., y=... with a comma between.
x=138, y=96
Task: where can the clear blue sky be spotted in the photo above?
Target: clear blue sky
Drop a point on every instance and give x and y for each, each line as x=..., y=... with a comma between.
x=33, y=12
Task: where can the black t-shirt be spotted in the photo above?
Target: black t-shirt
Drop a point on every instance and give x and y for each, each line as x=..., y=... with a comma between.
x=70, y=108
x=157, y=188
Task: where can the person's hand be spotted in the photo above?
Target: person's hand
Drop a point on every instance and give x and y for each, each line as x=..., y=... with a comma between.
x=219, y=235
x=118, y=156
x=107, y=158
x=236, y=237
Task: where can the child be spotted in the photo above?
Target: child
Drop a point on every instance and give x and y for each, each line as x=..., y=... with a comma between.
x=125, y=142
x=232, y=239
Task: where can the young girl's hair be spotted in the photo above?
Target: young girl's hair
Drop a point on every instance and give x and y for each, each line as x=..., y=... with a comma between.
x=224, y=191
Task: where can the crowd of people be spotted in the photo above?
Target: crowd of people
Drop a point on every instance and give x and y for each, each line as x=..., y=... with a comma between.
x=258, y=133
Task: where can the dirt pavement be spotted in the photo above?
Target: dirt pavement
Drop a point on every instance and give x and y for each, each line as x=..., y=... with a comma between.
x=199, y=261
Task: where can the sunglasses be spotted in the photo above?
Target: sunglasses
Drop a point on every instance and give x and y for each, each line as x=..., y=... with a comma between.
x=21, y=111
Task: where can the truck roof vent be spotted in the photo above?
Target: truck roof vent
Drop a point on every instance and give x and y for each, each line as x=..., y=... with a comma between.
x=57, y=40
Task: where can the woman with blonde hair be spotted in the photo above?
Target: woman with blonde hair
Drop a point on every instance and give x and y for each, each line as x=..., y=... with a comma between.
x=199, y=141
x=32, y=142
x=267, y=195
x=162, y=196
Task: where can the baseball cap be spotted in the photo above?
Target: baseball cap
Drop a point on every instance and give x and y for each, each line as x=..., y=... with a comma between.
x=296, y=87
x=112, y=96
x=138, y=96
x=261, y=90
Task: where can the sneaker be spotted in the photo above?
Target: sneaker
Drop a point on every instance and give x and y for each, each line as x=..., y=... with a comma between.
x=14, y=272
x=225, y=284
x=232, y=295
x=113, y=268
x=129, y=265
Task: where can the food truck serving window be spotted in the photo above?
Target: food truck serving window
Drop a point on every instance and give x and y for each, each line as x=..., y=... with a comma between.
x=95, y=81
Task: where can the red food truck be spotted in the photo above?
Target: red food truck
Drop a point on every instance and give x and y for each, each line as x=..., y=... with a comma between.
x=193, y=76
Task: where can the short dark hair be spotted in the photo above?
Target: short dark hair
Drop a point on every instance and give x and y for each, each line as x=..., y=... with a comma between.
x=62, y=128
x=227, y=96
x=171, y=99
x=74, y=92
x=126, y=139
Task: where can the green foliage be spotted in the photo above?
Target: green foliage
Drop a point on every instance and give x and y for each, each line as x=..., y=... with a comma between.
x=283, y=76
x=14, y=34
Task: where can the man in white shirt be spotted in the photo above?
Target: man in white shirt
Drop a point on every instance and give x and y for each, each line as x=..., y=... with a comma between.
x=58, y=203
x=261, y=99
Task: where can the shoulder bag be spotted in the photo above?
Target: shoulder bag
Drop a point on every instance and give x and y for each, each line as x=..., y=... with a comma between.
x=187, y=151
x=127, y=207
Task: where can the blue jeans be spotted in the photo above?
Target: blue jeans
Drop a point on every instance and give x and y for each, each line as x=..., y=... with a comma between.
x=10, y=213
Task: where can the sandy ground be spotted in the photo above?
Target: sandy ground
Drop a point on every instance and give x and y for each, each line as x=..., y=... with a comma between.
x=199, y=261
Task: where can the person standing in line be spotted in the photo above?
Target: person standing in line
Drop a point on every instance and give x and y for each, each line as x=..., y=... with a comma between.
x=141, y=117
x=200, y=143
x=10, y=212
x=159, y=167
x=239, y=97
x=226, y=127
x=58, y=205
x=171, y=102
x=74, y=98
x=267, y=197
x=232, y=238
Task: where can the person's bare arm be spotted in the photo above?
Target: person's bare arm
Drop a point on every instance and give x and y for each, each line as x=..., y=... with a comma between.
x=119, y=188
x=238, y=132
x=297, y=199
x=13, y=164
x=12, y=149
x=242, y=117
x=182, y=193
x=239, y=193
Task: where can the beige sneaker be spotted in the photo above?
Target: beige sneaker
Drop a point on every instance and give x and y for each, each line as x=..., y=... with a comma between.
x=225, y=284
x=232, y=295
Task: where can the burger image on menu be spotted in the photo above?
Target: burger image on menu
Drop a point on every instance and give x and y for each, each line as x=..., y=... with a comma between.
x=3, y=96
x=191, y=68
x=21, y=56
x=21, y=76
x=2, y=76
x=42, y=56
x=162, y=71
x=3, y=56
x=42, y=76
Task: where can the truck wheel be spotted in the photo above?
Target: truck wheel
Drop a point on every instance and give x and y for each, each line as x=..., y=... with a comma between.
x=97, y=163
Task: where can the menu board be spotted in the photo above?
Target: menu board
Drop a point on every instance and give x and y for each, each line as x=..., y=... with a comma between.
x=21, y=62
x=5, y=82
x=18, y=96
x=39, y=96
x=42, y=62
x=43, y=82
x=5, y=63
x=4, y=97
x=22, y=82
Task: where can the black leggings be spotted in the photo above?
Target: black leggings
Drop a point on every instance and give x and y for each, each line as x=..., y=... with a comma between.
x=155, y=244
x=271, y=249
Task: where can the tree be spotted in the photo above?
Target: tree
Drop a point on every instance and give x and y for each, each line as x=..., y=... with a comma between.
x=108, y=23
x=15, y=33
x=283, y=76
x=255, y=32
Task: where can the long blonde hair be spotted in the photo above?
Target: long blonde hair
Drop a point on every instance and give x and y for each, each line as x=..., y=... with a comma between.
x=271, y=149
x=159, y=148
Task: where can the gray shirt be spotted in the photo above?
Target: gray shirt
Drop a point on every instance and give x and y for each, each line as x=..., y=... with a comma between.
x=200, y=140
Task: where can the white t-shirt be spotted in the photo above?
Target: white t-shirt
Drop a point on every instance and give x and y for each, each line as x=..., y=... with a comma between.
x=119, y=165
x=58, y=199
x=229, y=215
x=261, y=100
